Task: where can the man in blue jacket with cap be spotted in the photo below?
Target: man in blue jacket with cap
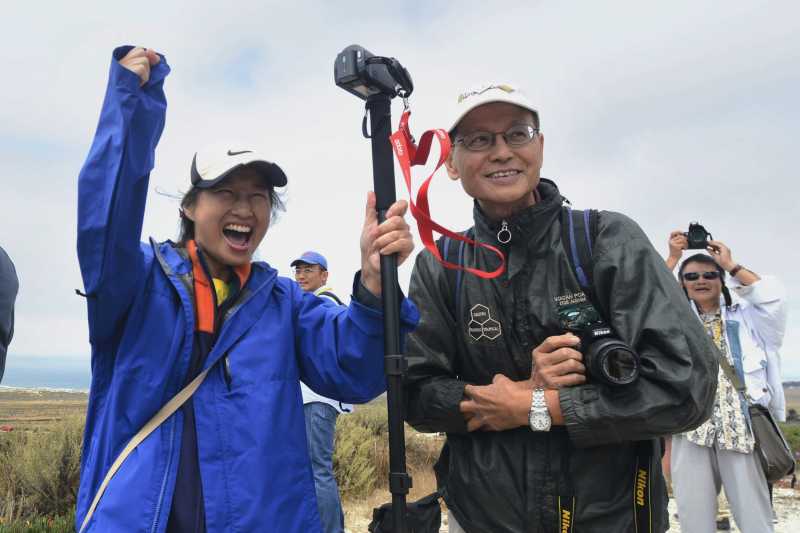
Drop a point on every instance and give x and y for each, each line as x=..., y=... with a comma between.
x=311, y=273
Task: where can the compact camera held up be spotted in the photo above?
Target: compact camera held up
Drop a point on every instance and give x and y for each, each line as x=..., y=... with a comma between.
x=607, y=358
x=697, y=237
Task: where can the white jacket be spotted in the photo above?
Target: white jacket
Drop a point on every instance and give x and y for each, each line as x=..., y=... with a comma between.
x=309, y=395
x=760, y=309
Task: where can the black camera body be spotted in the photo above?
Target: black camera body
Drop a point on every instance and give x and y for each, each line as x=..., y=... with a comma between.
x=362, y=73
x=606, y=357
x=697, y=236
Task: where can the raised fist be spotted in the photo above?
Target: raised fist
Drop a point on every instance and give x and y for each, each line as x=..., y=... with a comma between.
x=139, y=60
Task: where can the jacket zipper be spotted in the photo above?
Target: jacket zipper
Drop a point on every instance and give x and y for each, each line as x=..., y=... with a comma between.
x=160, y=500
x=190, y=290
x=226, y=371
x=504, y=234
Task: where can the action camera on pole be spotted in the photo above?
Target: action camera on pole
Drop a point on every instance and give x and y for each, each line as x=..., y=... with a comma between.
x=377, y=80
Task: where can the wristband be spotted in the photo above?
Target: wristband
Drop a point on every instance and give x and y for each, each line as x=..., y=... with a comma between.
x=735, y=270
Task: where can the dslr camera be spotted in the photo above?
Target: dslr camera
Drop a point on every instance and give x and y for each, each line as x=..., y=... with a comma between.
x=606, y=357
x=362, y=73
x=697, y=236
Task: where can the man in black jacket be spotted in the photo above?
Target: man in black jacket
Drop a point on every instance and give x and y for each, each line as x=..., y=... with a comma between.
x=8, y=293
x=535, y=442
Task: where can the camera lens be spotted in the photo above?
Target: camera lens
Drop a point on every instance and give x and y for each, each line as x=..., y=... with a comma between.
x=613, y=362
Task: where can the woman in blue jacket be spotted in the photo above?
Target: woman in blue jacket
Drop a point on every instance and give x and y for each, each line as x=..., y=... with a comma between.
x=234, y=456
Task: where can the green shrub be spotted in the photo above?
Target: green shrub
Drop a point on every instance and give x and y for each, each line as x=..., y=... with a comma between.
x=39, y=471
x=58, y=524
x=361, y=456
x=792, y=433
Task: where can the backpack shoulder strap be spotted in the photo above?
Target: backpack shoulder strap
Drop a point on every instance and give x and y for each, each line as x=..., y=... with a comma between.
x=329, y=294
x=453, y=252
x=578, y=234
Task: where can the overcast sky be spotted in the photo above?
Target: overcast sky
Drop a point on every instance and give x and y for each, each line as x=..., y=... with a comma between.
x=668, y=112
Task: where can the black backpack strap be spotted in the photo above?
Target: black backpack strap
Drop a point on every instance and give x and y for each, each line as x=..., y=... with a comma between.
x=578, y=234
x=332, y=296
x=453, y=252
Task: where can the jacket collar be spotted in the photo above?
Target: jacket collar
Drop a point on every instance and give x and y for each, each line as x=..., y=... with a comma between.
x=175, y=261
x=531, y=220
x=528, y=227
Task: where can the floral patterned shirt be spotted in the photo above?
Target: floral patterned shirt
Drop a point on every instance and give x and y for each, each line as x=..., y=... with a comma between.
x=727, y=427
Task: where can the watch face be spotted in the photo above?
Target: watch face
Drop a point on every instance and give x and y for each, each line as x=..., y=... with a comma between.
x=540, y=421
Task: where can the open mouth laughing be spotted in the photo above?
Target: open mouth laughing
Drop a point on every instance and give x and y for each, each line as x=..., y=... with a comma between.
x=238, y=236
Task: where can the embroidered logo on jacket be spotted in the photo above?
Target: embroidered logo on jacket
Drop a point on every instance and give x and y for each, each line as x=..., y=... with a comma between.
x=482, y=325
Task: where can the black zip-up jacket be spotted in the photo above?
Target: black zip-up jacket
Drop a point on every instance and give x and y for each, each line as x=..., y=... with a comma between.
x=9, y=285
x=583, y=477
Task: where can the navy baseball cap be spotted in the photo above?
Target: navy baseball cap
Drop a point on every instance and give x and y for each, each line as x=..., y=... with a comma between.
x=311, y=258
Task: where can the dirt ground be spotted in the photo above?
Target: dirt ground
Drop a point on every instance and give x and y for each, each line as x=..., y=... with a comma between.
x=787, y=507
x=786, y=501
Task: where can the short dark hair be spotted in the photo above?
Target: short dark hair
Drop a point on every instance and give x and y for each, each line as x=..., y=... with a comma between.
x=190, y=198
x=706, y=260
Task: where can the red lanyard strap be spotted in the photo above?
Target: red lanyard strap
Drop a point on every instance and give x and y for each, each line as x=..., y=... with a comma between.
x=409, y=154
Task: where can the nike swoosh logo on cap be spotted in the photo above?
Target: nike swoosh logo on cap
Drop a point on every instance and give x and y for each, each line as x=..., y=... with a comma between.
x=242, y=152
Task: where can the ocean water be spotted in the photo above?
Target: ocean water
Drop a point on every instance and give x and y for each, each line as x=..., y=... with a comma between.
x=71, y=373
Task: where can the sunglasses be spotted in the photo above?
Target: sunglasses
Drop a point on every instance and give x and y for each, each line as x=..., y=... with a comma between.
x=694, y=276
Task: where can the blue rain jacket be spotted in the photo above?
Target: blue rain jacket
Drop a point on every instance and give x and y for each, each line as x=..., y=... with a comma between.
x=252, y=446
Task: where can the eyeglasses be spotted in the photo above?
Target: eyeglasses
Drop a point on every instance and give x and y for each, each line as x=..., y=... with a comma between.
x=694, y=276
x=516, y=137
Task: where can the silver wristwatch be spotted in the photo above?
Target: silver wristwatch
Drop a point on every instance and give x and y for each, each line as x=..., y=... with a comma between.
x=539, y=417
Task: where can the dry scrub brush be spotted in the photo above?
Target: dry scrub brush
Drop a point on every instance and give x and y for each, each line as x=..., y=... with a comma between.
x=39, y=471
x=361, y=458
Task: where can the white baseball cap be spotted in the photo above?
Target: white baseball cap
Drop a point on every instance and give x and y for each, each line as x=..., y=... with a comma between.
x=488, y=93
x=213, y=164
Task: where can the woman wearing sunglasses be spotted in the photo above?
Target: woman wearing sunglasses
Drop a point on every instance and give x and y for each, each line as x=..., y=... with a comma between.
x=745, y=315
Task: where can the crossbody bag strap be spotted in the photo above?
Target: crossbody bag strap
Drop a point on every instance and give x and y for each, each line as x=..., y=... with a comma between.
x=158, y=419
x=732, y=376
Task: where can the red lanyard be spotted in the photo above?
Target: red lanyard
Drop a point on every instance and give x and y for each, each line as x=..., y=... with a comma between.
x=409, y=154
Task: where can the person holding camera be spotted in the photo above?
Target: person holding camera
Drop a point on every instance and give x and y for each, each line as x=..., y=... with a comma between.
x=745, y=315
x=195, y=419
x=547, y=428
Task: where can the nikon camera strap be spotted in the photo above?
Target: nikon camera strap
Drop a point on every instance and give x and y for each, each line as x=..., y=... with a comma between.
x=579, y=231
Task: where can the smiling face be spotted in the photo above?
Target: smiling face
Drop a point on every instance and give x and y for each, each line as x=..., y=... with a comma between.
x=704, y=292
x=231, y=219
x=310, y=277
x=501, y=178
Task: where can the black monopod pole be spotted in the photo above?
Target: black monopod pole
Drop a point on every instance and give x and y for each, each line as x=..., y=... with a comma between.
x=380, y=116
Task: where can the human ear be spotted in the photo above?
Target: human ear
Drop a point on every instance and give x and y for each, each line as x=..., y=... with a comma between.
x=452, y=171
x=188, y=212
